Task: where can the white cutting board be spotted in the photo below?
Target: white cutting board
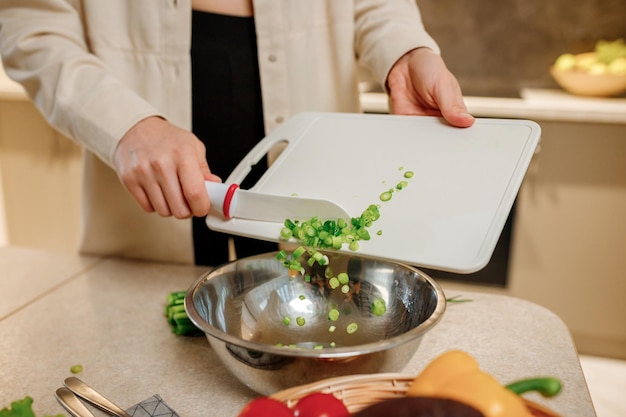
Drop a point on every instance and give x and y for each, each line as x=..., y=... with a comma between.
x=452, y=212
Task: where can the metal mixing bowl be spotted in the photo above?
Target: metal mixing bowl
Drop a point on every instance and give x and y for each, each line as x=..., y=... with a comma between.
x=244, y=306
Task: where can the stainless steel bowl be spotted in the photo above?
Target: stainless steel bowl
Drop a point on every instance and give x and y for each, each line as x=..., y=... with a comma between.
x=241, y=306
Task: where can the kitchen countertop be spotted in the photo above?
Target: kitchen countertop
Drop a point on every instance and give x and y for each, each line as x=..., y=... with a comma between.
x=107, y=314
x=533, y=104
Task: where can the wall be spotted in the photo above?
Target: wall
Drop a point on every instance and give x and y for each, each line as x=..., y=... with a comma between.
x=40, y=174
x=497, y=47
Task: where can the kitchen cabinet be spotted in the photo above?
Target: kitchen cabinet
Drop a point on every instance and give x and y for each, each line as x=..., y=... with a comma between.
x=40, y=172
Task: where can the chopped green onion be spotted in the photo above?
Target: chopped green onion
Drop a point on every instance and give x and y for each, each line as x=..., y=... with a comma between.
x=386, y=196
x=332, y=329
x=333, y=314
x=345, y=288
x=177, y=317
x=286, y=320
x=352, y=328
x=401, y=185
x=298, y=252
x=76, y=369
x=343, y=278
x=286, y=233
x=379, y=307
x=300, y=321
x=333, y=282
x=409, y=174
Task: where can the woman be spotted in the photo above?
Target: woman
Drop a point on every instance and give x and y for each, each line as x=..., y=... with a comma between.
x=116, y=76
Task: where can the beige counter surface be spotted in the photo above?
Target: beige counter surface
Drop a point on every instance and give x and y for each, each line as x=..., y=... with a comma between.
x=107, y=315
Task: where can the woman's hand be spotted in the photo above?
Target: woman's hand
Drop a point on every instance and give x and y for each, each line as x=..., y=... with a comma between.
x=164, y=168
x=421, y=84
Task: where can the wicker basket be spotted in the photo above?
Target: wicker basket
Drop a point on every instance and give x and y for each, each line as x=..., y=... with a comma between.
x=359, y=391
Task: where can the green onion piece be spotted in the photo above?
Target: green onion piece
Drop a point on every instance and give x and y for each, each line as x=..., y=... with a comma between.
x=343, y=278
x=318, y=347
x=281, y=255
x=333, y=314
x=76, y=369
x=401, y=185
x=409, y=174
x=333, y=282
x=300, y=321
x=345, y=288
x=333, y=344
x=386, y=196
x=298, y=252
x=332, y=329
x=302, y=297
x=379, y=307
x=286, y=320
x=286, y=233
x=352, y=328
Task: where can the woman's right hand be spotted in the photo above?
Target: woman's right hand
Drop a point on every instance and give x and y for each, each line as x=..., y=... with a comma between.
x=164, y=168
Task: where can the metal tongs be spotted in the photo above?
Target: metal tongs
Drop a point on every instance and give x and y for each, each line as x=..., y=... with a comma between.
x=75, y=389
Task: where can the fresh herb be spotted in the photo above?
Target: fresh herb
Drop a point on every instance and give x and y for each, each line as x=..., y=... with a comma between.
x=22, y=408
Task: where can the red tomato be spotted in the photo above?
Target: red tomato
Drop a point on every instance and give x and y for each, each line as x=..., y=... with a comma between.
x=265, y=407
x=319, y=404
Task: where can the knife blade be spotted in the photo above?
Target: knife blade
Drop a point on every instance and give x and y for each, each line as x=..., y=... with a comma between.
x=232, y=202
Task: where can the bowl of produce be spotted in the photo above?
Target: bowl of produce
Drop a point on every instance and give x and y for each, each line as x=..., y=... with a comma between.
x=600, y=73
x=452, y=385
x=275, y=326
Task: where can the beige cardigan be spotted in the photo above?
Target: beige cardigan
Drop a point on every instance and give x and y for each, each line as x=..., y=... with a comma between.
x=94, y=68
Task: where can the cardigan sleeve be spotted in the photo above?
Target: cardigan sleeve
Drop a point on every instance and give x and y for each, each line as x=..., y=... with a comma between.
x=44, y=48
x=385, y=31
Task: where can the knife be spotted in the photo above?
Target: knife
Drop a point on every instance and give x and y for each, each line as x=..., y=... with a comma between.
x=232, y=202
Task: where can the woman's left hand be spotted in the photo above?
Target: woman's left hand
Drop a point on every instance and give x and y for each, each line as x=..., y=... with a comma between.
x=419, y=83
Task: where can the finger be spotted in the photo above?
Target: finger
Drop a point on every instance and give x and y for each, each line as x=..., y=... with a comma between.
x=192, y=176
x=194, y=191
x=141, y=198
x=157, y=199
x=450, y=100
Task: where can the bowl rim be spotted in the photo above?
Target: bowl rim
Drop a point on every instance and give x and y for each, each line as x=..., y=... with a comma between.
x=327, y=352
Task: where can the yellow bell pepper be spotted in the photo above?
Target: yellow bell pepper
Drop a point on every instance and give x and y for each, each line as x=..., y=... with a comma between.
x=456, y=375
